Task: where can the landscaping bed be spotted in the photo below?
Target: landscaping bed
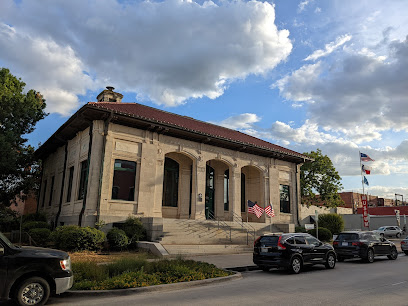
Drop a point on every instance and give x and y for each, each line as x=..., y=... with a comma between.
x=132, y=272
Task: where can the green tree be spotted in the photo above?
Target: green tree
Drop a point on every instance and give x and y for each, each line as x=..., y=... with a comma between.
x=333, y=222
x=19, y=113
x=319, y=181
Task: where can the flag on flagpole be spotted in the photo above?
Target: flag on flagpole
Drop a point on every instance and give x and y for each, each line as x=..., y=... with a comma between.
x=365, y=157
x=365, y=181
x=366, y=169
x=270, y=211
x=254, y=208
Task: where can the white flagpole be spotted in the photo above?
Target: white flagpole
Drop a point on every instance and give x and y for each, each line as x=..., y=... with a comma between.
x=361, y=170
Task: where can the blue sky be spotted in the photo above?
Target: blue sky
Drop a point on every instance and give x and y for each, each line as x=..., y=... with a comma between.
x=302, y=74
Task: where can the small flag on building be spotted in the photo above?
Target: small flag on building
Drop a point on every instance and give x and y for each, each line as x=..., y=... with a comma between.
x=365, y=157
x=366, y=169
x=365, y=181
x=270, y=211
x=254, y=208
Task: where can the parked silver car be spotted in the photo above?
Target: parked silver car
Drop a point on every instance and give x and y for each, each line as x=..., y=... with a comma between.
x=404, y=245
x=389, y=231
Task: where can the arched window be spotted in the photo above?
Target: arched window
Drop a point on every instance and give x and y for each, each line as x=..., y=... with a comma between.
x=170, y=182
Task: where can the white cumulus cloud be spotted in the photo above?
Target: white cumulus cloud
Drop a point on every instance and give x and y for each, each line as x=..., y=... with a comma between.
x=165, y=51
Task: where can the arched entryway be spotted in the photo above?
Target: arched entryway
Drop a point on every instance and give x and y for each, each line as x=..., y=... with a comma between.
x=253, y=189
x=177, y=186
x=217, y=197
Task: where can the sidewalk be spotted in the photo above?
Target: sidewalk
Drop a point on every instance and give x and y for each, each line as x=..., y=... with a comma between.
x=226, y=261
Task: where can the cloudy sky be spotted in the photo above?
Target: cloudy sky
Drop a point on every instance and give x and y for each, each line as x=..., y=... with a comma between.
x=302, y=74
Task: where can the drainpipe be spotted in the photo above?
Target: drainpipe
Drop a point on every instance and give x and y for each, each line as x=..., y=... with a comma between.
x=87, y=174
x=105, y=136
x=62, y=185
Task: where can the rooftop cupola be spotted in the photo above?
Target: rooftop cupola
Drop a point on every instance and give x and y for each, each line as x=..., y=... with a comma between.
x=108, y=95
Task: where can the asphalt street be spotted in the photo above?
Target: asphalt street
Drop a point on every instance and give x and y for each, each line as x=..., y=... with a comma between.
x=384, y=282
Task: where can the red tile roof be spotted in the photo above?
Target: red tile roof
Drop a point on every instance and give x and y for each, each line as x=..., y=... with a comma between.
x=162, y=117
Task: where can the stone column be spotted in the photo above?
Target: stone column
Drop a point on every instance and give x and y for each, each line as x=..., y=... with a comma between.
x=200, y=187
x=235, y=192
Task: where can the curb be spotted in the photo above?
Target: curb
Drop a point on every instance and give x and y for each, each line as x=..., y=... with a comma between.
x=164, y=287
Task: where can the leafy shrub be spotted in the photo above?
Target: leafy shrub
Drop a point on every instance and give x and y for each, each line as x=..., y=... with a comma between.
x=75, y=238
x=117, y=239
x=8, y=220
x=38, y=216
x=300, y=229
x=324, y=234
x=34, y=224
x=332, y=222
x=125, y=265
x=41, y=236
x=131, y=273
x=135, y=231
x=89, y=271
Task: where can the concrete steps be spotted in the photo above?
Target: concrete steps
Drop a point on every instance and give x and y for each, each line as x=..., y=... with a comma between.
x=183, y=236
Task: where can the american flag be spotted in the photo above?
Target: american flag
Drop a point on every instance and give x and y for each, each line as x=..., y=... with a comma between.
x=365, y=157
x=270, y=211
x=254, y=208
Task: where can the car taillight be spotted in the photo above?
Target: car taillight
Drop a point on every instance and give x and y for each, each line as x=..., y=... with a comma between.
x=257, y=239
x=402, y=242
x=335, y=243
x=357, y=243
x=280, y=246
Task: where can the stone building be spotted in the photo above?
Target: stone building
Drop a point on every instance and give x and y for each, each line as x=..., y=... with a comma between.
x=112, y=159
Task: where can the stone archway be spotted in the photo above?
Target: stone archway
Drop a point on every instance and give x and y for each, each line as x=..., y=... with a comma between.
x=177, y=186
x=253, y=189
x=217, y=195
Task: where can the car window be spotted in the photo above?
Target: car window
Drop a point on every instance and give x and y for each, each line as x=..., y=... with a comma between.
x=375, y=237
x=347, y=237
x=381, y=228
x=269, y=240
x=366, y=236
x=290, y=240
x=390, y=228
x=312, y=241
x=300, y=240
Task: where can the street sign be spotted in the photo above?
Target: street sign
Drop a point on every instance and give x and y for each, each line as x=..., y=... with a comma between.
x=365, y=211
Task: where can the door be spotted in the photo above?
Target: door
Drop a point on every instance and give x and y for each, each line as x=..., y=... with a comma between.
x=304, y=249
x=318, y=250
x=209, y=193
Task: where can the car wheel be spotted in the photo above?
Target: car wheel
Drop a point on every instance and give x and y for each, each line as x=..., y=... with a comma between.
x=263, y=268
x=382, y=235
x=393, y=255
x=406, y=252
x=33, y=291
x=330, y=261
x=295, y=265
x=398, y=235
x=340, y=259
x=370, y=256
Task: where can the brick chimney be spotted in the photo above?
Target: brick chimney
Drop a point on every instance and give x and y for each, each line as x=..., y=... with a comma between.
x=108, y=95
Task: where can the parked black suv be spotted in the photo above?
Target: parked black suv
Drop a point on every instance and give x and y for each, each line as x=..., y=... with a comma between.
x=365, y=245
x=292, y=251
x=29, y=274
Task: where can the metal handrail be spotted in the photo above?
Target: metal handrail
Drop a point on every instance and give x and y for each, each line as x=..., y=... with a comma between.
x=246, y=226
x=221, y=224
